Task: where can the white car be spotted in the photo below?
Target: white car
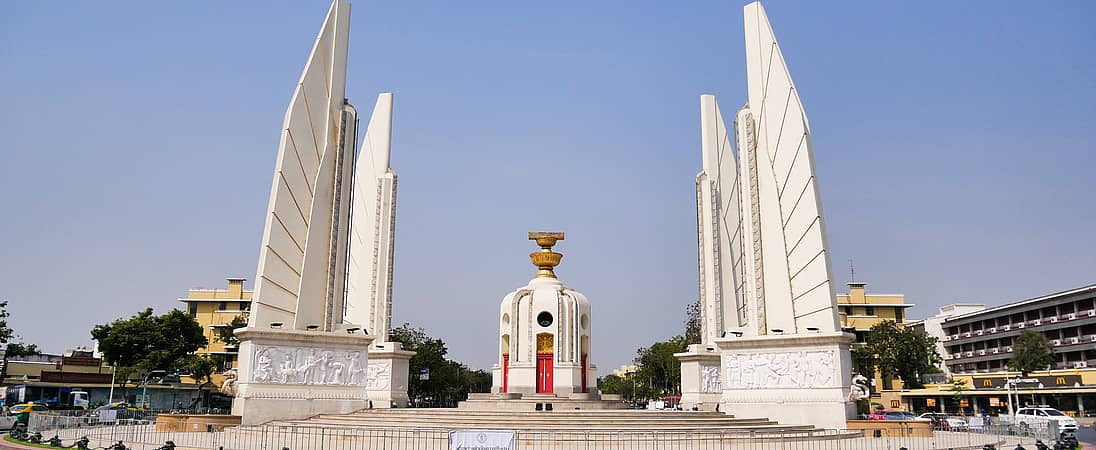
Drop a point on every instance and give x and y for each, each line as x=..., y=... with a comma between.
x=1026, y=417
x=952, y=423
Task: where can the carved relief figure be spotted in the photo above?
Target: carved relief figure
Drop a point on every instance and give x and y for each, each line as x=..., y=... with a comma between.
x=379, y=376
x=263, y=373
x=710, y=382
x=356, y=371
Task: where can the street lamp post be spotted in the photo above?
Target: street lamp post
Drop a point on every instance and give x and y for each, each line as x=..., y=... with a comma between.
x=113, y=370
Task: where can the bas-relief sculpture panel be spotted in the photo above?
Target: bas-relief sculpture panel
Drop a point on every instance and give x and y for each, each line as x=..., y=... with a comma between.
x=380, y=375
x=803, y=369
x=308, y=366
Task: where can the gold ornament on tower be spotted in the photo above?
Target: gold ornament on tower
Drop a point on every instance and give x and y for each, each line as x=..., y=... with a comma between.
x=545, y=259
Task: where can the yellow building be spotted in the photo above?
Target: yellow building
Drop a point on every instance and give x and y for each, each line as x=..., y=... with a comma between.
x=859, y=311
x=216, y=308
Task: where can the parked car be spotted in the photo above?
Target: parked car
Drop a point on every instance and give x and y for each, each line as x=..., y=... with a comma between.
x=945, y=422
x=1026, y=417
x=899, y=415
x=28, y=407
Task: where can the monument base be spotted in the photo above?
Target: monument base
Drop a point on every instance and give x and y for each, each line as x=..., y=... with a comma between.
x=387, y=380
x=700, y=381
x=567, y=379
x=513, y=401
x=292, y=374
x=792, y=379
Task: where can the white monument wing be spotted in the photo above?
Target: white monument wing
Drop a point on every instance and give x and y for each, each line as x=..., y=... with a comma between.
x=783, y=140
x=719, y=221
x=373, y=217
x=310, y=135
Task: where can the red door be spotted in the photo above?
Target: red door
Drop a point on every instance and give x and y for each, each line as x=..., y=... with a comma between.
x=583, y=372
x=505, y=372
x=544, y=373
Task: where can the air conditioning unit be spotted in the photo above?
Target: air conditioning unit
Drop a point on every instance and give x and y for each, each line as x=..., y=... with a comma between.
x=948, y=356
x=1054, y=319
x=993, y=330
x=1020, y=325
x=1008, y=349
x=967, y=334
x=955, y=336
x=946, y=338
x=1056, y=342
x=996, y=351
x=1080, y=364
x=1071, y=316
x=1092, y=312
x=978, y=333
x=970, y=354
x=981, y=352
x=1092, y=338
x=1036, y=322
x=1007, y=327
x=1074, y=340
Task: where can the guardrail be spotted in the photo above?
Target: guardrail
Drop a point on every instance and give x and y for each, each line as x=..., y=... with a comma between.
x=142, y=434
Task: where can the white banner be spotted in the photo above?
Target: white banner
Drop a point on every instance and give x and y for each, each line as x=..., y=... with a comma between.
x=108, y=415
x=481, y=440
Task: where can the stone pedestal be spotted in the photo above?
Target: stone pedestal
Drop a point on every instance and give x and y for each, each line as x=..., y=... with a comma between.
x=387, y=380
x=291, y=374
x=700, y=381
x=792, y=379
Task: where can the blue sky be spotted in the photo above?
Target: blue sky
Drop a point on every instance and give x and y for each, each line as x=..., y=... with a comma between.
x=952, y=142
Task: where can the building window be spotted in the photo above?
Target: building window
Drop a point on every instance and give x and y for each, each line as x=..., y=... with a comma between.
x=245, y=306
x=848, y=310
x=222, y=306
x=898, y=315
x=869, y=310
x=193, y=308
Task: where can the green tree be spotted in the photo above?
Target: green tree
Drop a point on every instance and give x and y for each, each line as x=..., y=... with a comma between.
x=10, y=342
x=612, y=384
x=226, y=333
x=658, y=371
x=448, y=382
x=201, y=368
x=1032, y=351
x=148, y=342
x=957, y=386
x=692, y=323
x=900, y=352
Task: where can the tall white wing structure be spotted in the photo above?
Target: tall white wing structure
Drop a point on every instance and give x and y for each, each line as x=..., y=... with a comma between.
x=789, y=231
x=719, y=228
x=373, y=226
x=299, y=280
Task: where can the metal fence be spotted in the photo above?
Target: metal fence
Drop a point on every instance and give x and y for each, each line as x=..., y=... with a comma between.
x=142, y=434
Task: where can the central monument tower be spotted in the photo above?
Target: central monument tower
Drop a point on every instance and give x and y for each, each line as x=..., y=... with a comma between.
x=544, y=333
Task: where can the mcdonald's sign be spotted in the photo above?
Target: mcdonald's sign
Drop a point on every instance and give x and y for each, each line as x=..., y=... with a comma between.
x=999, y=382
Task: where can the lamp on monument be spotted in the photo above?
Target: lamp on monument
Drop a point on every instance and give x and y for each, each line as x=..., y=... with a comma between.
x=312, y=327
x=276, y=325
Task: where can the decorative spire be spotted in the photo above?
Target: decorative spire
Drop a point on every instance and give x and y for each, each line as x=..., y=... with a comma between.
x=545, y=259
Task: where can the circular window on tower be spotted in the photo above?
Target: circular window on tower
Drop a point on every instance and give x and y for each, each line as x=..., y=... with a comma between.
x=544, y=319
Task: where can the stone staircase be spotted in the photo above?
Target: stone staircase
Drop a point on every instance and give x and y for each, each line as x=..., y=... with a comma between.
x=556, y=420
